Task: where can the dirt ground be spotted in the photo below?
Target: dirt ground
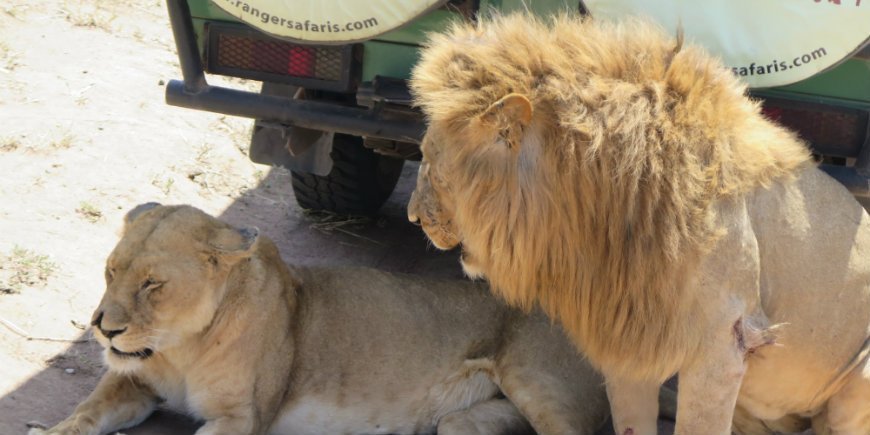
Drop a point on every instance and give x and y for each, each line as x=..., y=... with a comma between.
x=85, y=135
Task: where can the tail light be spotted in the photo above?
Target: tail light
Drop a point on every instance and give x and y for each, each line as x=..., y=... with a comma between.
x=832, y=131
x=239, y=51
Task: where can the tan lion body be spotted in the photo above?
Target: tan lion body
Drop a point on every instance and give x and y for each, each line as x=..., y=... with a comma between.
x=628, y=187
x=250, y=346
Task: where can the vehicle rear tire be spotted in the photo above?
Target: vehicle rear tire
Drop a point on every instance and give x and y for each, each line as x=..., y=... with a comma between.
x=359, y=183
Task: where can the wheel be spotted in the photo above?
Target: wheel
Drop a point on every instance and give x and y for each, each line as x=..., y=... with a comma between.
x=359, y=183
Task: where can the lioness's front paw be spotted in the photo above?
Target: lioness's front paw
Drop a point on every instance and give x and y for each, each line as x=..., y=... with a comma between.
x=63, y=428
x=36, y=428
x=54, y=431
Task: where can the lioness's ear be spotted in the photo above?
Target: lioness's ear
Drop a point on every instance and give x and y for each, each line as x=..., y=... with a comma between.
x=138, y=210
x=512, y=110
x=234, y=243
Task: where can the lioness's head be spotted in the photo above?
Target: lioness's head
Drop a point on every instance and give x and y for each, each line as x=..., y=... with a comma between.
x=165, y=280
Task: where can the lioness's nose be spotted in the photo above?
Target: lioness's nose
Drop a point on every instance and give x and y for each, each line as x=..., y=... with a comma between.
x=109, y=333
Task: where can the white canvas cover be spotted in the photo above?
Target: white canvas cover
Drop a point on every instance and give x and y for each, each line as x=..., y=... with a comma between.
x=766, y=43
x=327, y=21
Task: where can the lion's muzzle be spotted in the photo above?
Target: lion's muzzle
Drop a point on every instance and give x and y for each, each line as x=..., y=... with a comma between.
x=108, y=333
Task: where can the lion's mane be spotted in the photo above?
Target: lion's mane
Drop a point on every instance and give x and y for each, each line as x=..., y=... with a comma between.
x=603, y=212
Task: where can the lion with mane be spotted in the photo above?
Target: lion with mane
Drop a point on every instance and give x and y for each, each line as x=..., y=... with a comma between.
x=625, y=184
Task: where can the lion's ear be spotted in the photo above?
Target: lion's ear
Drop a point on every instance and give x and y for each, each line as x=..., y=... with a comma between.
x=138, y=210
x=510, y=111
x=234, y=244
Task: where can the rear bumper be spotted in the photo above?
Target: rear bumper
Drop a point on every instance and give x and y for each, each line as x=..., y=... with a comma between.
x=194, y=92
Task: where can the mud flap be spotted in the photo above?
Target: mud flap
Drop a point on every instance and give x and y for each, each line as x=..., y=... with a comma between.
x=295, y=148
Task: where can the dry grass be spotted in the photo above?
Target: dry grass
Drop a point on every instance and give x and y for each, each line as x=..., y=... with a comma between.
x=64, y=142
x=15, y=10
x=9, y=60
x=164, y=183
x=329, y=222
x=8, y=144
x=24, y=268
x=49, y=142
x=87, y=14
x=212, y=172
x=89, y=212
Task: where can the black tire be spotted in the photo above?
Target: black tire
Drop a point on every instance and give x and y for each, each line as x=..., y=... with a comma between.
x=359, y=183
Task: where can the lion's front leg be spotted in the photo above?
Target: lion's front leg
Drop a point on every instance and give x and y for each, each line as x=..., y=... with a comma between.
x=634, y=406
x=118, y=402
x=492, y=417
x=710, y=383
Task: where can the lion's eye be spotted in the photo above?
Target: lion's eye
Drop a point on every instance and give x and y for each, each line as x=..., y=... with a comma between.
x=438, y=182
x=151, y=284
x=110, y=274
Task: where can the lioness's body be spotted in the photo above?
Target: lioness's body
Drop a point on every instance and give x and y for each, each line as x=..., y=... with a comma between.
x=235, y=337
x=393, y=354
x=627, y=185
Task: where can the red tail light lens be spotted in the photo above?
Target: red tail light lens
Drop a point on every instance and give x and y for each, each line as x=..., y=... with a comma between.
x=239, y=51
x=301, y=62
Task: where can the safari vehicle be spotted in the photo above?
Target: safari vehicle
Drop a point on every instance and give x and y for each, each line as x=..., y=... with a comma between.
x=335, y=109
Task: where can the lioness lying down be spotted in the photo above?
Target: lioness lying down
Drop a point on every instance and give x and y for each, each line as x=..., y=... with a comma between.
x=209, y=319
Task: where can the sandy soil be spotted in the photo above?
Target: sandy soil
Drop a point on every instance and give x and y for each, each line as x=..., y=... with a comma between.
x=85, y=136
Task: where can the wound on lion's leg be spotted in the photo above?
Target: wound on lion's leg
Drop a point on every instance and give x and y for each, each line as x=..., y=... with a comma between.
x=751, y=336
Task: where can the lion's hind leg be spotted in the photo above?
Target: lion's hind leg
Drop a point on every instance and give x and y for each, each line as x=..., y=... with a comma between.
x=848, y=411
x=491, y=417
x=549, y=381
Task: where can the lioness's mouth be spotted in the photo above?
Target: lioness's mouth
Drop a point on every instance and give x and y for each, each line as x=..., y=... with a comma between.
x=141, y=354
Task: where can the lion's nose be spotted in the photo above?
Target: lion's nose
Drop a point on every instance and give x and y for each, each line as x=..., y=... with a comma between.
x=412, y=208
x=109, y=333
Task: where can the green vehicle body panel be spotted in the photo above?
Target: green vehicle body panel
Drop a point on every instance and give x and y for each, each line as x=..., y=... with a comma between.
x=207, y=9
x=199, y=28
x=388, y=59
x=846, y=85
x=394, y=54
x=542, y=8
x=848, y=81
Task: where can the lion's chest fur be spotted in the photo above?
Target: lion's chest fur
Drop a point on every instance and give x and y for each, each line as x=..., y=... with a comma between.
x=167, y=382
x=171, y=383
